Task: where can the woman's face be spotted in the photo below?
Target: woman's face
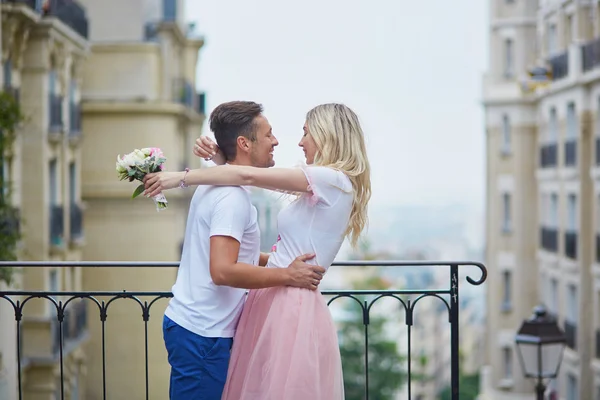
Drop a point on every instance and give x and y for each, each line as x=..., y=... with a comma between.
x=308, y=146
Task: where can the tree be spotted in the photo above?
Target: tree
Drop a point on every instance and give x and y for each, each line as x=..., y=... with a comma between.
x=10, y=117
x=386, y=365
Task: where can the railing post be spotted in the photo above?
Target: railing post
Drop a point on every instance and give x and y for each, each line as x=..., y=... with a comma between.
x=454, y=342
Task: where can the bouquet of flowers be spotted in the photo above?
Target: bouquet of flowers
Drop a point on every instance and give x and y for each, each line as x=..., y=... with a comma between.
x=138, y=163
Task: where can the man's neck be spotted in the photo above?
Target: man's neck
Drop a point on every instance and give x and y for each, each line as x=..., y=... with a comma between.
x=240, y=161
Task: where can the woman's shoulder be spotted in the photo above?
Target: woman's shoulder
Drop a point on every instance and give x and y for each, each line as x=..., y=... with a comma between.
x=328, y=175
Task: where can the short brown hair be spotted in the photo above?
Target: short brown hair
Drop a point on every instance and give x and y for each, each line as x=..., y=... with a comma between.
x=228, y=121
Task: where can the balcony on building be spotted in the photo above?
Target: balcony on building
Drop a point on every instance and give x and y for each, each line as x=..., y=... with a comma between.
x=56, y=225
x=590, y=55
x=74, y=120
x=571, y=245
x=571, y=152
x=560, y=66
x=70, y=12
x=56, y=110
x=571, y=334
x=548, y=155
x=549, y=239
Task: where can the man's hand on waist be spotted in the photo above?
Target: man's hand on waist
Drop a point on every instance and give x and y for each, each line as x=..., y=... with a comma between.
x=304, y=275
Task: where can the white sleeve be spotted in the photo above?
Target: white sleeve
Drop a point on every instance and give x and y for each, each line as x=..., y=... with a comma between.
x=325, y=185
x=231, y=214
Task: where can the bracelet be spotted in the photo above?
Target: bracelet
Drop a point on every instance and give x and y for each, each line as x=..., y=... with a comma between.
x=182, y=184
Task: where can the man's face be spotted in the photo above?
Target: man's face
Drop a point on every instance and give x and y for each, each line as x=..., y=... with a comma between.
x=261, y=152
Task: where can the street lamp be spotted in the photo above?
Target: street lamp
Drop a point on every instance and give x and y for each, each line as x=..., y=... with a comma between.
x=540, y=344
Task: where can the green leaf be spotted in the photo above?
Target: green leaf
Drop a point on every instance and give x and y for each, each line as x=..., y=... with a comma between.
x=138, y=190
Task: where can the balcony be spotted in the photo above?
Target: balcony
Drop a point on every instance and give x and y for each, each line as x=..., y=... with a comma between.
x=571, y=334
x=56, y=111
x=571, y=153
x=548, y=155
x=590, y=55
x=571, y=245
x=78, y=323
x=549, y=239
x=169, y=10
x=56, y=225
x=74, y=120
x=71, y=13
x=560, y=66
x=35, y=5
x=76, y=217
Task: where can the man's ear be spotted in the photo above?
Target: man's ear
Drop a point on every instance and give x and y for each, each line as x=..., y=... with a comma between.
x=243, y=144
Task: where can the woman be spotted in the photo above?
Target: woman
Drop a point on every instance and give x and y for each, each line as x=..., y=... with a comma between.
x=286, y=344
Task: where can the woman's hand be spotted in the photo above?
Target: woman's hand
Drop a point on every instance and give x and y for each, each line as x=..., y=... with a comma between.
x=157, y=182
x=206, y=148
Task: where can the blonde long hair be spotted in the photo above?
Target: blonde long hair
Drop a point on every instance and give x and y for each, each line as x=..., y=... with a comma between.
x=340, y=143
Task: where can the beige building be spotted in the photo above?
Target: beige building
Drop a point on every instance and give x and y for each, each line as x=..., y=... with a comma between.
x=138, y=91
x=543, y=189
x=42, y=55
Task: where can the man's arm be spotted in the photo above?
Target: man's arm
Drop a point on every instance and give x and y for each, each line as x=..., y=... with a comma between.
x=264, y=259
x=225, y=270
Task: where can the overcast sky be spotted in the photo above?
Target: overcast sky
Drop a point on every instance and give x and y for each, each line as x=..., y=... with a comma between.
x=410, y=69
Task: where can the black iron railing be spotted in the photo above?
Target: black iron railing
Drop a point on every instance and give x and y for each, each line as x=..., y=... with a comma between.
x=56, y=225
x=590, y=55
x=74, y=326
x=571, y=153
x=571, y=334
x=76, y=223
x=365, y=299
x=548, y=155
x=56, y=110
x=71, y=13
x=571, y=244
x=549, y=239
x=560, y=66
x=74, y=120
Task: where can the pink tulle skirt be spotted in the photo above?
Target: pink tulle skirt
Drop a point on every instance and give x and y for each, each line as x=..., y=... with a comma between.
x=285, y=348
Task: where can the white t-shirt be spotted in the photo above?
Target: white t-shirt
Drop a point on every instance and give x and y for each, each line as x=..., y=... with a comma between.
x=199, y=305
x=316, y=221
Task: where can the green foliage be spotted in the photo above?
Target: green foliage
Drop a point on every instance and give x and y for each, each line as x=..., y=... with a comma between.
x=468, y=388
x=10, y=117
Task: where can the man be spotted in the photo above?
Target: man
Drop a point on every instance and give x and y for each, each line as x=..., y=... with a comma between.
x=208, y=295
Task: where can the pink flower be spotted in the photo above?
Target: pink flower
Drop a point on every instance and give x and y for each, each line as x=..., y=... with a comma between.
x=156, y=151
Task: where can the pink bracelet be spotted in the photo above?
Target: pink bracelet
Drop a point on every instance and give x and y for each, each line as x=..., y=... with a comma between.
x=182, y=184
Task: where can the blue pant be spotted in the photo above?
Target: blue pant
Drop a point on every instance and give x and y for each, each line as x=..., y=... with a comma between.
x=198, y=364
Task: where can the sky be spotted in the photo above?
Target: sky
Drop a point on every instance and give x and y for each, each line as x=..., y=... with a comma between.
x=411, y=70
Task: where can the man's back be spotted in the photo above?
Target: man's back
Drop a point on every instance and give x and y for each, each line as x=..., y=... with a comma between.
x=199, y=305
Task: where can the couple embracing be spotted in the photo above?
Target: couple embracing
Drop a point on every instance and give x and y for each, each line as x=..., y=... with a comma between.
x=278, y=341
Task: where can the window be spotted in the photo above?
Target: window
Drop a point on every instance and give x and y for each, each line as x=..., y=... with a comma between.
x=572, y=213
x=508, y=58
x=505, y=134
x=553, y=126
x=553, y=300
x=7, y=72
x=572, y=391
x=572, y=314
x=507, y=362
x=552, y=42
x=53, y=167
x=571, y=121
x=506, y=213
x=507, y=293
x=569, y=29
x=6, y=175
x=52, y=82
x=72, y=183
x=553, y=212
